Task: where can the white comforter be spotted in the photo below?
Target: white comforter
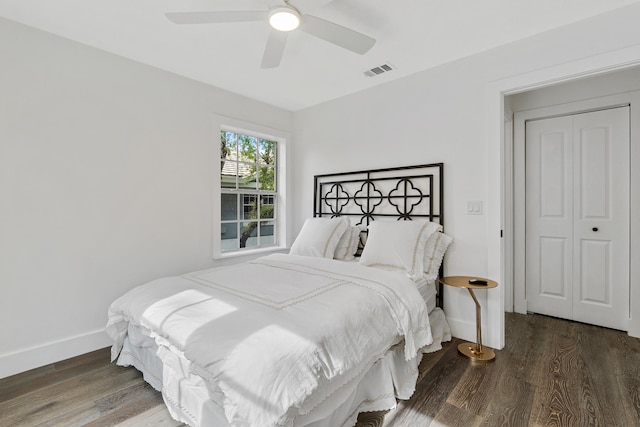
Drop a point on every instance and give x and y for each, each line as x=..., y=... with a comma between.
x=275, y=337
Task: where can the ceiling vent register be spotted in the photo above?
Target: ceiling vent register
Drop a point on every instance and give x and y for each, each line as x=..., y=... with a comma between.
x=380, y=69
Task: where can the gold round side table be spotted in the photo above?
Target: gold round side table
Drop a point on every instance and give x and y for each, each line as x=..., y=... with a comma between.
x=474, y=351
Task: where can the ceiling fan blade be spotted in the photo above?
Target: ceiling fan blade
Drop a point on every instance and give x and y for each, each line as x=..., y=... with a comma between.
x=274, y=49
x=217, y=17
x=337, y=34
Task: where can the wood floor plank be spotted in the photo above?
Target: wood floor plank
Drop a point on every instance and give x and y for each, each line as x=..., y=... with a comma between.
x=428, y=361
x=52, y=401
x=624, y=353
x=154, y=417
x=111, y=410
x=528, y=355
x=48, y=375
x=599, y=396
x=432, y=392
x=510, y=399
x=630, y=399
x=557, y=398
x=450, y=415
x=128, y=403
x=371, y=419
x=626, y=350
x=470, y=394
x=510, y=403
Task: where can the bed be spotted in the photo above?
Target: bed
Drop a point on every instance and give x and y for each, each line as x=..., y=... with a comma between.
x=311, y=338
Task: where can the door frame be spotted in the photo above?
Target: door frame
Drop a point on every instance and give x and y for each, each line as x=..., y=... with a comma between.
x=507, y=207
x=518, y=166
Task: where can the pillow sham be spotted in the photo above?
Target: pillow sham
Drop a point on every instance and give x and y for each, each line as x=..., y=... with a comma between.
x=319, y=237
x=434, y=251
x=432, y=227
x=348, y=244
x=397, y=245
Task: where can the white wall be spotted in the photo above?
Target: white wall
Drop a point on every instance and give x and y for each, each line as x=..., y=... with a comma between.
x=446, y=115
x=106, y=172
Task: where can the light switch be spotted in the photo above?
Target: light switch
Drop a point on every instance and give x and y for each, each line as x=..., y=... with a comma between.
x=474, y=208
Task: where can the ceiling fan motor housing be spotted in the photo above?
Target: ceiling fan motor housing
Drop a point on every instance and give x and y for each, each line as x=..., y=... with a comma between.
x=284, y=18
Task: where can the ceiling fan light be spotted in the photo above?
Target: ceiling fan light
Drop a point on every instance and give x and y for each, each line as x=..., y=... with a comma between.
x=284, y=18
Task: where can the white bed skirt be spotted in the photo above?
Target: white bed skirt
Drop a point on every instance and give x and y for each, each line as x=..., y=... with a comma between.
x=190, y=401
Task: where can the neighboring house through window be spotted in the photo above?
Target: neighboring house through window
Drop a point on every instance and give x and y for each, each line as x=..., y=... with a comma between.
x=248, y=190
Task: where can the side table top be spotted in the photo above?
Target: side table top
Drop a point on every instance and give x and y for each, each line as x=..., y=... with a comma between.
x=463, y=282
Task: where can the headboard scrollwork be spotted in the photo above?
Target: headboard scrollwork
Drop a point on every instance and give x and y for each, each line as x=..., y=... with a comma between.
x=403, y=193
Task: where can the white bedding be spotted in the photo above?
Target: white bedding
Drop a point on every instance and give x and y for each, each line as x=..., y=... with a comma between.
x=189, y=401
x=279, y=343
x=428, y=291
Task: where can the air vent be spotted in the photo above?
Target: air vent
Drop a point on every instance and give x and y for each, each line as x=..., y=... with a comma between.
x=380, y=69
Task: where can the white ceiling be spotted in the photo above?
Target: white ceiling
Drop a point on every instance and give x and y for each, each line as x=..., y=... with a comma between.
x=413, y=35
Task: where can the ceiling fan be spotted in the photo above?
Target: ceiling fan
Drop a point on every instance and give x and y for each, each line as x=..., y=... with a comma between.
x=283, y=19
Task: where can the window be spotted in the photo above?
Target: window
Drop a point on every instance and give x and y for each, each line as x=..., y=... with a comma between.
x=248, y=191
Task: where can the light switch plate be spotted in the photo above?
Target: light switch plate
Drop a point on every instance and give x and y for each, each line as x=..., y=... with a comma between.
x=474, y=207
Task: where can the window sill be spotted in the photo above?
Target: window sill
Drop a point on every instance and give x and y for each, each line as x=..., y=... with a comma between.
x=251, y=253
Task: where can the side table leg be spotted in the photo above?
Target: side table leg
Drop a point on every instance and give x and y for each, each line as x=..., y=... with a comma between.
x=478, y=349
x=477, y=352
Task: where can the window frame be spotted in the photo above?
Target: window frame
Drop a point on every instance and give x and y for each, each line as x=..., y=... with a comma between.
x=279, y=195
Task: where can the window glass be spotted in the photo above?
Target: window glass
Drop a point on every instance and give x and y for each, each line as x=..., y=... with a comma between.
x=229, y=207
x=267, y=152
x=267, y=232
x=229, y=239
x=249, y=239
x=249, y=206
x=267, y=178
x=246, y=176
x=247, y=147
x=266, y=207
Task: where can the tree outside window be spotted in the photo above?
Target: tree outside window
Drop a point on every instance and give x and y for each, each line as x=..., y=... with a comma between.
x=248, y=187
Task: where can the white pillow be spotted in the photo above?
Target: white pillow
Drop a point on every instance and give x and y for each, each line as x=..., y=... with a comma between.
x=348, y=244
x=319, y=237
x=434, y=251
x=432, y=227
x=397, y=245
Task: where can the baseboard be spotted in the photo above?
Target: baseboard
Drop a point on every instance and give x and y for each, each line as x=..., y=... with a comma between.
x=466, y=331
x=462, y=329
x=35, y=357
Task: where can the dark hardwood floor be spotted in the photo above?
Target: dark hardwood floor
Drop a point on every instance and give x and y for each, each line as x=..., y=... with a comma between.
x=552, y=372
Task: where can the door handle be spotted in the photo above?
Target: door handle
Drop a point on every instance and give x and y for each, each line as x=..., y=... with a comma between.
x=595, y=228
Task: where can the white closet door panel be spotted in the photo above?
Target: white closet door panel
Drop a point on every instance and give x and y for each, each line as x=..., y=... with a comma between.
x=595, y=277
x=553, y=202
x=595, y=175
x=553, y=278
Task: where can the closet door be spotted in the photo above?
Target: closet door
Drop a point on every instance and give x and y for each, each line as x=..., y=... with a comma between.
x=577, y=217
x=601, y=177
x=549, y=216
